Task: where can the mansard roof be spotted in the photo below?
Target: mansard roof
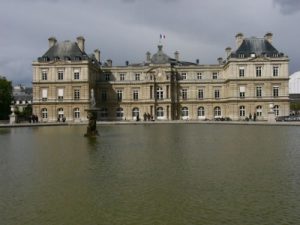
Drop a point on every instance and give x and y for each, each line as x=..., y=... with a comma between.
x=257, y=46
x=66, y=50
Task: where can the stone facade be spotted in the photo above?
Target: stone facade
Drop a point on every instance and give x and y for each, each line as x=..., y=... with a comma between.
x=165, y=88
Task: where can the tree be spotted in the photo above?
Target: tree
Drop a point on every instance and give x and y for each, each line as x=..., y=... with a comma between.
x=5, y=98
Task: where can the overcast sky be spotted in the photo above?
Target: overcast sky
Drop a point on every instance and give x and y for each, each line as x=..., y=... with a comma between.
x=126, y=29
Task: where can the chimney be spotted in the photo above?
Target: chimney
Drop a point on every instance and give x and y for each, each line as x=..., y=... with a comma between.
x=176, y=54
x=127, y=63
x=80, y=42
x=52, y=41
x=220, y=60
x=97, y=54
x=148, y=56
x=269, y=37
x=228, y=51
x=197, y=61
x=239, y=39
x=109, y=63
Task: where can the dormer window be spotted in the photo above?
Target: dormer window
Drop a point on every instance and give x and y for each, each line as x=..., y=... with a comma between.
x=77, y=58
x=45, y=59
x=56, y=58
x=241, y=56
x=252, y=55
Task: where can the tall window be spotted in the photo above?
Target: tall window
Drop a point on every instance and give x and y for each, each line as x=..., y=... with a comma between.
x=242, y=111
x=242, y=91
x=183, y=76
x=275, y=91
x=60, y=94
x=159, y=112
x=103, y=95
x=214, y=75
x=44, y=113
x=275, y=71
x=135, y=113
x=241, y=72
x=184, y=93
x=76, y=74
x=60, y=75
x=258, y=92
x=60, y=113
x=76, y=113
x=201, y=111
x=122, y=76
x=44, y=75
x=258, y=71
x=44, y=94
x=135, y=94
x=119, y=113
x=76, y=94
x=217, y=111
x=276, y=110
x=184, y=112
x=137, y=76
x=200, y=94
x=199, y=76
x=159, y=93
x=107, y=77
x=217, y=94
x=104, y=112
x=259, y=110
x=119, y=95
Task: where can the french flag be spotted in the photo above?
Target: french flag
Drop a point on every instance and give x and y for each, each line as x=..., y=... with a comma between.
x=162, y=36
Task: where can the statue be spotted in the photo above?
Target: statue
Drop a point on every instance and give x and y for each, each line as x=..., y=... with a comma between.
x=91, y=130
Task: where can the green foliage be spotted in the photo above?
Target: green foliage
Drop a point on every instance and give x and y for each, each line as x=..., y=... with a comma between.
x=5, y=98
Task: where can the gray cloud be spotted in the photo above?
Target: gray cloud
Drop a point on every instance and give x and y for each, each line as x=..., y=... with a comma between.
x=126, y=29
x=288, y=6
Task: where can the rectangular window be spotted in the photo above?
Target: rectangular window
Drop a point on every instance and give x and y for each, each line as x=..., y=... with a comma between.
x=44, y=94
x=199, y=76
x=135, y=95
x=107, y=77
x=215, y=76
x=275, y=91
x=76, y=75
x=76, y=94
x=258, y=92
x=183, y=76
x=217, y=94
x=184, y=93
x=44, y=75
x=258, y=71
x=241, y=72
x=103, y=95
x=137, y=76
x=60, y=75
x=275, y=71
x=60, y=94
x=242, y=91
x=200, y=94
x=122, y=76
x=119, y=95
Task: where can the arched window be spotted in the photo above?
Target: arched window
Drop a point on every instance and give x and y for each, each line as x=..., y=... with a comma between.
x=184, y=112
x=201, y=111
x=44, y=113
x=259, y=110
x=60, y=113
x=135, y=113
x=159, y=93
x=276, y=110
x=159, y=112
x=119, y=112
x=104, y=113
x=217, y=111
x=76, y=113
x=242, y=111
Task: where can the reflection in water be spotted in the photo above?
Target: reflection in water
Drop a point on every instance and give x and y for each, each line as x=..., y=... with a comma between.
x=151, y=174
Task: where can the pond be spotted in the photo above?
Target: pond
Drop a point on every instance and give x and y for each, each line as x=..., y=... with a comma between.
x=163, y=174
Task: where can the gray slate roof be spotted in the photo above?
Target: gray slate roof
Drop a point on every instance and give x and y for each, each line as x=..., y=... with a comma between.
x=66, y=50
x=258, y=46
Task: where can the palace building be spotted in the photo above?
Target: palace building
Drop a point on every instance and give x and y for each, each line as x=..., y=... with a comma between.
x=249, y=79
